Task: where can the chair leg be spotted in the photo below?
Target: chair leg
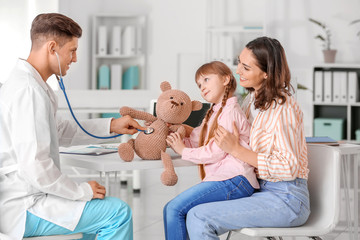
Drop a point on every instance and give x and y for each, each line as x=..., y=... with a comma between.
x=270, y=238
x=315, y=238
x=229, y=235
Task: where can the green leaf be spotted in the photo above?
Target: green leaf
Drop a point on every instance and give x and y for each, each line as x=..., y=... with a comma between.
x=355, y=21
x=302, y=87
x=320, y=37
x=317, y=22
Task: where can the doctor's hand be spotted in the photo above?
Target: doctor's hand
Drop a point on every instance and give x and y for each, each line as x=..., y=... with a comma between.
x=99, y=191
x=125, y=125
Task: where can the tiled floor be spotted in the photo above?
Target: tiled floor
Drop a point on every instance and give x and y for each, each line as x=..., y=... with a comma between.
x=148, y=205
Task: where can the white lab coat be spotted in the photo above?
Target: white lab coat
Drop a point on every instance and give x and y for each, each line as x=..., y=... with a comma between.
x=30, y=133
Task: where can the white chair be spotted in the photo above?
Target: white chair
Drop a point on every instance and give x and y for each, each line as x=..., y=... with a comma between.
x=57, y=237
x=324, y=188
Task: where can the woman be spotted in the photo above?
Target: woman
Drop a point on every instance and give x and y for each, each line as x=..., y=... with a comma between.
x=278, y=150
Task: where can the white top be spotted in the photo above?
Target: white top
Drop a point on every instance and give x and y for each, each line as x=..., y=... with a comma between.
x=30, y=134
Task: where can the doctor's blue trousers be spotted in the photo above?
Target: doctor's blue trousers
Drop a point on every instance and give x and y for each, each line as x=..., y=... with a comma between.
x=110, y=218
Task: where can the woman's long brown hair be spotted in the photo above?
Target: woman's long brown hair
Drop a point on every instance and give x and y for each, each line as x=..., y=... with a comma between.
x=222, y=71
x=271, y=59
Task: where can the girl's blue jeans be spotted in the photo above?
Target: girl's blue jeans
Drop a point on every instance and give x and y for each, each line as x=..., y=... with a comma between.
x=276, y=204
x=109, y=218
x=176, y=210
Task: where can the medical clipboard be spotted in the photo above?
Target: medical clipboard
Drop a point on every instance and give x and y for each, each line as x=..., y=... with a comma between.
x=91, y=150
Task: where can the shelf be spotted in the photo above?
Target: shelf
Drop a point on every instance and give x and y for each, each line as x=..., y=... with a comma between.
x=338, y=81
x=118, y=56
x=227, y=32
x=236, y=29
x=330, y=66
x=119, y=50
x=105, y=100
x=330, y=104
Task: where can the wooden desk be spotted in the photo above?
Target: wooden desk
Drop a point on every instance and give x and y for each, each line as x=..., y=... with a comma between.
x=109, y=163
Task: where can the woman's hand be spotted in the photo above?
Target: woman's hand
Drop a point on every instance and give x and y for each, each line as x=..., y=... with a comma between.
x=175, y=142
x=125, y=125
x=227, y=141
x=99, y=191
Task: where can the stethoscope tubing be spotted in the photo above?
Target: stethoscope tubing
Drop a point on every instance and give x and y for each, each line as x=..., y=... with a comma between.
x=62, y=87
x=61, y=84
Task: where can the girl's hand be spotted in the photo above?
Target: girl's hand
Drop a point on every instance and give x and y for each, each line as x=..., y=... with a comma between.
x=227, y=141
x=175, y=142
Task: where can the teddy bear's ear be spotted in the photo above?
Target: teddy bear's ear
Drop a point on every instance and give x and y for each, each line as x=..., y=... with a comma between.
x=196, y=105
x=165, y=86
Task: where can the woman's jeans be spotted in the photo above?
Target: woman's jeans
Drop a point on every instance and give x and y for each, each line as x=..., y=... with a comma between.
x=205, y=192
x=109, y=218
x=276, y=204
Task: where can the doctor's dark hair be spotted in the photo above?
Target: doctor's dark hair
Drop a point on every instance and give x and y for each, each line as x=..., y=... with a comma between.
x=222, y=71
x=54, y=26
x=271, y=59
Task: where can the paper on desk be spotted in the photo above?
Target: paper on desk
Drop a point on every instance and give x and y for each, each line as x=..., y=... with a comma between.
x=94, y=150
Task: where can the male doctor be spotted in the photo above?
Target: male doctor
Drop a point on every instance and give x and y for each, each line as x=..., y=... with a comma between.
x=35, y=197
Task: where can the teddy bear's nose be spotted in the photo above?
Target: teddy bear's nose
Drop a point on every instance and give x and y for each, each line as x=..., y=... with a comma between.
x=174, y=103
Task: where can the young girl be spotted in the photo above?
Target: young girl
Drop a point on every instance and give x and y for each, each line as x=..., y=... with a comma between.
x=224, y=177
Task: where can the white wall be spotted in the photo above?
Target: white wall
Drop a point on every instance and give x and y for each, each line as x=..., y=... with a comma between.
x=15, y=23
x=176, y=36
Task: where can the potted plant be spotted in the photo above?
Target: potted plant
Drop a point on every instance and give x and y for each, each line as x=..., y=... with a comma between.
x=329, y=54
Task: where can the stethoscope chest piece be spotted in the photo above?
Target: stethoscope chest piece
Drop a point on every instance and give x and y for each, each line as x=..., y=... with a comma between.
x=149, y=130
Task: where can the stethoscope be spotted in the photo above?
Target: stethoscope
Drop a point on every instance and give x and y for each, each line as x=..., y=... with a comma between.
x=61, y=84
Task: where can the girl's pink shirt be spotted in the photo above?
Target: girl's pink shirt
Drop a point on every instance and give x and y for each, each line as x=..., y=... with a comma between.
x=219, y=165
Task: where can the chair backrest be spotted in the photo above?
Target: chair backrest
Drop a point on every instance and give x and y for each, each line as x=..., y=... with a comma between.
x=324, y=185
x=195, y=117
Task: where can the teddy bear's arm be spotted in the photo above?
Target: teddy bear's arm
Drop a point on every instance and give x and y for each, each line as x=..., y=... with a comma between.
x=137, y=114
x=178, y=128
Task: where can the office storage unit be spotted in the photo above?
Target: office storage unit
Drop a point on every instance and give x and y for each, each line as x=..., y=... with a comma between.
x=227, y=32
x=336, y=95
x=118, y=41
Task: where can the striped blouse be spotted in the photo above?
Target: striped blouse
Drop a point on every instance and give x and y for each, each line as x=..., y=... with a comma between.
x=277, y=136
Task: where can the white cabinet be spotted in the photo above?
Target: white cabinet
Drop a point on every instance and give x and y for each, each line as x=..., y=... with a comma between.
x=336, y=95
x=118, y=52
x=230, y=26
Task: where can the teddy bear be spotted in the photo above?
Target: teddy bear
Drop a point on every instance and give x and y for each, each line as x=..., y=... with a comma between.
x=173, y=107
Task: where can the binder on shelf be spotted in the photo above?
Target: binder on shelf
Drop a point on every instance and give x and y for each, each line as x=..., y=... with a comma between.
x=229, y=46
x=353, y=87
x=102, y=41
x=129, y=41
x=116, y=41
x=339, y=79
x=116, y=76
x=343, y=87
x=215, y=47
x=327, y=86
x=104, y=77
x=139, y=43
x=318, y=85
x=222, y=44
x=131, y=78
